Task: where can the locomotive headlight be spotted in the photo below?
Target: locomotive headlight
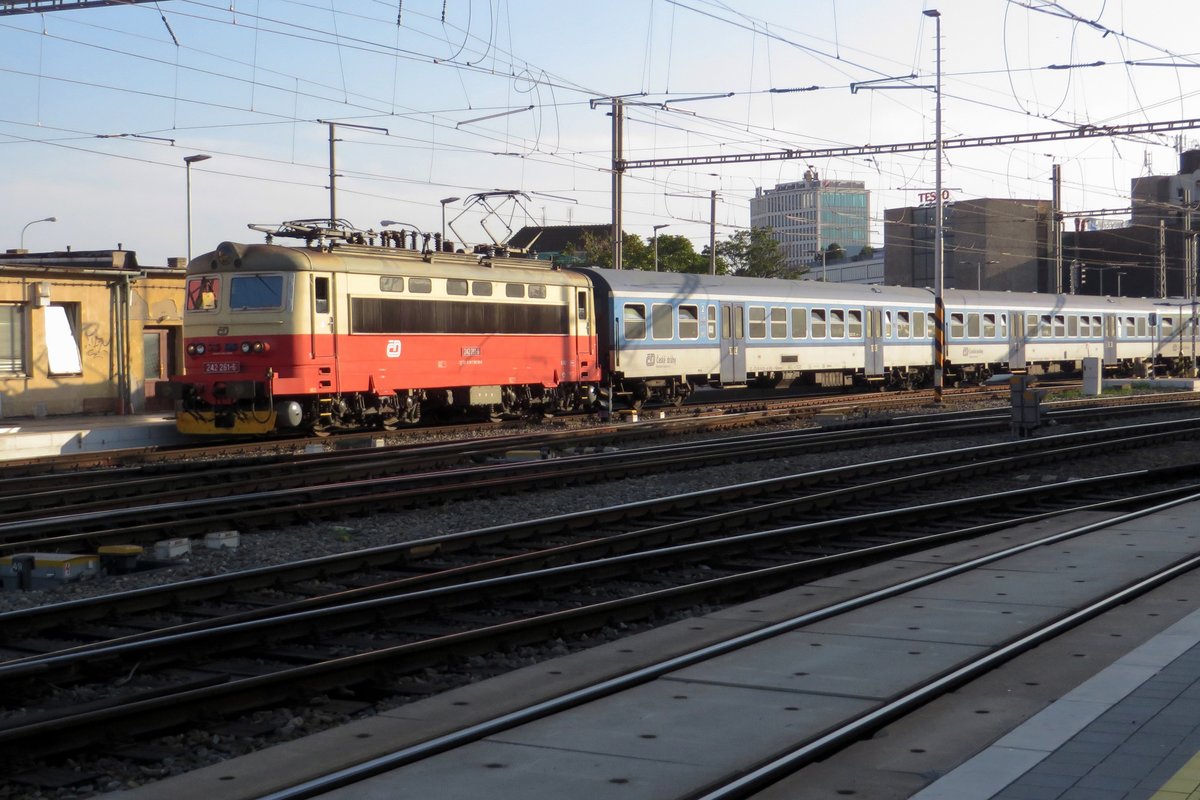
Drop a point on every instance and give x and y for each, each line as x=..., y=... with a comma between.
x=261, y=347
x=198, y=349
x=246, y=347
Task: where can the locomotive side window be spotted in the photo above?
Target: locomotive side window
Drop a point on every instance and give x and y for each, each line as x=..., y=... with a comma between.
x=799, y=323
x=514, y=290
x=635, y=321
x=420, y=285
x=689, y=322
x=662, y=321
x=819, y=322
x=391, y=283
x=202, y=293
x=481, y=288
x=537, y=291
x=712, y=322
x=903, y=326
x=758, y=322
x=456, y=286
x=321, y=295
x=855, y=319
x=255, y=291
x=837, y=324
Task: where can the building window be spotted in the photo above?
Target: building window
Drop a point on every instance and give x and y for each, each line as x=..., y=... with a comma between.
x=12, y=339
x=62, y=339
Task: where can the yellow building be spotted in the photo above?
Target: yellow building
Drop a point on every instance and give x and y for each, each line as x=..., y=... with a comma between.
x=86, y=332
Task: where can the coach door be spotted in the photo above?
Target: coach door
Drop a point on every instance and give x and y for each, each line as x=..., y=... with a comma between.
x=584, y=335
x=733, y=344
x=1016, y=341
x=874, y=343
x=324, y=343
x=1110, y=339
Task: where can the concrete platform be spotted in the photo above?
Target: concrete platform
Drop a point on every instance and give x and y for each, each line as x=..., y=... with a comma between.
x=70, y=435
x=1020, y=732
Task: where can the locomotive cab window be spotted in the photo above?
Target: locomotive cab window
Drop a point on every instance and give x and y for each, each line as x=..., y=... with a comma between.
x=255, y=292
x=689, y=322
x=202, y=293
x=635, y=321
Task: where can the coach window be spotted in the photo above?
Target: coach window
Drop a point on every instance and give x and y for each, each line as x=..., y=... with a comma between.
x=1142, y=326
x=537, y=291
x=1003, y=329
x=689, y=322
x=662, y=321
x=481, y=288
x=420, y=285
x=989, y=326
x=820, y=323
x=1098, y=326
x=456, y=286
x=799, y=323
x=779, y=323
x=973, y=329
x=635, y=321
x=514, y=290
x=390, y=283
x=1060, y=326
x=903, y=326
x=837, y=323
x=758, y=322
x=887, y=324
x=957, y=327
x=855, y=327
x=930, y=323
x=1073, y=325
x=1168, y=327
x=1031, y=326
x=321, y=295
x=1046, y=326
x=920, y=325
x=712, y=323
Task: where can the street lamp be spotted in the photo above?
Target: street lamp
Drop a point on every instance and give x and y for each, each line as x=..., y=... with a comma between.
x=657, y=228
x=939, y=306
x=444, y=201
x=35, y=222
x=187, y=165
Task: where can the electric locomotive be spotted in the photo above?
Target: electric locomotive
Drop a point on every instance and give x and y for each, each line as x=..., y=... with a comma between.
x=354, y=334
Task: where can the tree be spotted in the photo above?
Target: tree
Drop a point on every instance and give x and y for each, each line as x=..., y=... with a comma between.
x=834, y=252
x=677, y=254
x=756, y=253
x=635, y=253
x=866, y=253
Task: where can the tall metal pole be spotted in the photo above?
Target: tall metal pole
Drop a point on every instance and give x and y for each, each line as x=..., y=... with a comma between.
x=657, y=228
x=187, y=165
x=332, y=174
x=443, y=201
x=712, y=233
x=1056, y=217
x=618, y=152
x=939, y=306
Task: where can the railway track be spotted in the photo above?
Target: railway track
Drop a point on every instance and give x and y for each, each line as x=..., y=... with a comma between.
x=205, y=659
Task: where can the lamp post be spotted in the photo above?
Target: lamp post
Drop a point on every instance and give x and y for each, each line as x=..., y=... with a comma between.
x=657, y=228
x=444, y=201
x=939, y=306
x=35, y=222
x=187, y=165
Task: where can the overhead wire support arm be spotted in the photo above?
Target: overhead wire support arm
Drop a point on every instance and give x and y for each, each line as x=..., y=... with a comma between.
x=1082, y=132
